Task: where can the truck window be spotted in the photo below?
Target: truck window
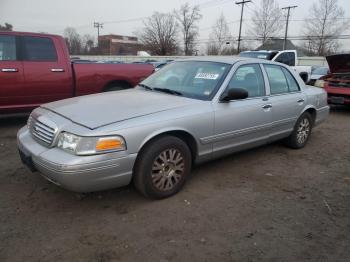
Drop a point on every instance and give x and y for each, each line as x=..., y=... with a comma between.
x=287, y=58
x=8, y=48
x=38, y=49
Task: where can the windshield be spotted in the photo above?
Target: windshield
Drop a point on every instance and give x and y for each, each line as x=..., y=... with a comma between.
x=258, y=54
x=320, y=71
x=194, y=79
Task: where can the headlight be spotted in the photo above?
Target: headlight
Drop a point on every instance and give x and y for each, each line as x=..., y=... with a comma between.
x=90, y=145
x=319, y=83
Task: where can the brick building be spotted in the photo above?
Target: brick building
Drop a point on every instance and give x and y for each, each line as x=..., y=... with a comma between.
x=119, y=45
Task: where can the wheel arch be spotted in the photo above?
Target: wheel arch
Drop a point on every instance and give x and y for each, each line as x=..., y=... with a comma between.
x=312, y=111
x=182, y=134
x=120, y=83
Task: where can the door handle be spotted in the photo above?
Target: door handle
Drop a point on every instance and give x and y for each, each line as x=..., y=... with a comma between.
x=301, y=100
x=267, y=106
x=57, y=70
x=9, y=70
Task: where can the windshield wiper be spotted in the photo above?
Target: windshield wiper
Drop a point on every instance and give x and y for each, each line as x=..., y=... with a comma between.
x=146, y=86
x=168, y=91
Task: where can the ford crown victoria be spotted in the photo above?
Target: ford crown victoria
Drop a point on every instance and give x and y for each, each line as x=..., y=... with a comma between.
x=186, y=113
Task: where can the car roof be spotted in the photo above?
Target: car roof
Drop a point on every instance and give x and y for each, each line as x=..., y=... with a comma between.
x=226, y=59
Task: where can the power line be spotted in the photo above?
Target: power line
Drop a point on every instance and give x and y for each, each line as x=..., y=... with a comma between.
x=242, y=3
x=287, y=22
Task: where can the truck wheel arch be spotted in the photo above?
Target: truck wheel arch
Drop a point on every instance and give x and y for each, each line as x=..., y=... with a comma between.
x=117, y=85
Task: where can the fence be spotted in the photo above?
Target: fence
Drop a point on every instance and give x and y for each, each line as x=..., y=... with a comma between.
x=305, y=60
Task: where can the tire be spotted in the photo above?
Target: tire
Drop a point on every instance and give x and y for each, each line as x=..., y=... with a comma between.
x=154, y=175
x=301, y=133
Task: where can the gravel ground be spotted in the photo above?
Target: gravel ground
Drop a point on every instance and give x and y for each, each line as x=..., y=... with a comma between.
x=267, y=204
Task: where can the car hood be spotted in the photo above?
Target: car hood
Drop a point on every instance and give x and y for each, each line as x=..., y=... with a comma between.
x=98, y=110
x=339, y=63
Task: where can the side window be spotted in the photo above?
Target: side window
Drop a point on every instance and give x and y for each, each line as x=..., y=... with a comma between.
x=292, y=83
x=277, y=80
x=38, y=49
x=250, y=78
x=286, y=58
x=8, y=48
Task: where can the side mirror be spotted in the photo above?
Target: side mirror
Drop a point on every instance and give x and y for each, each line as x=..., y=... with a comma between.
x=234, y=94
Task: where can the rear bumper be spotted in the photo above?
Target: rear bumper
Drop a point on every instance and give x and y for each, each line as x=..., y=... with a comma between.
x=321, y=115
x=76, y=173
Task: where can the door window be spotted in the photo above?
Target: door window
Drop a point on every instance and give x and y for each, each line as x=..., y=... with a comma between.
x=8, y=48
x=292, y=83
x=277, y=80
x=39, y=49
x=287, y=58
x=250, y=78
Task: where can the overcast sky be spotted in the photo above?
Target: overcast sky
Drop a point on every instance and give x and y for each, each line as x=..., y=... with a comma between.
x=53, y=16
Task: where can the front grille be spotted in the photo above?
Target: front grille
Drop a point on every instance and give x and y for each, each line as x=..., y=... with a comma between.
x=40, y=131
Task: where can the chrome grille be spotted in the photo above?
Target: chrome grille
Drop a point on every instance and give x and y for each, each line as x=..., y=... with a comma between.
x=42, y=132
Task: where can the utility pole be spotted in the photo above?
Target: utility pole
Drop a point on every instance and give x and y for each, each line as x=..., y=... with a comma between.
x=98, y=26
x=243, y=2
x=287, y=22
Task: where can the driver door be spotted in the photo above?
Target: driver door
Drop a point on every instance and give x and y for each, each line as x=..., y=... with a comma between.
x=244, y=123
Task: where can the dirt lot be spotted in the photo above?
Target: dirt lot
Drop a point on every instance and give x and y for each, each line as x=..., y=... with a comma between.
x=267, y=204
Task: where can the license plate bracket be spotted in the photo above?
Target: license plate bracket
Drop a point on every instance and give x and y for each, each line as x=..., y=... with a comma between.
x=27, y=160
x=337, y=100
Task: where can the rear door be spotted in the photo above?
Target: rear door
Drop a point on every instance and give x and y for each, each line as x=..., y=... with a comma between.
x=11, y=75
x=286, y=99
x=47, y=74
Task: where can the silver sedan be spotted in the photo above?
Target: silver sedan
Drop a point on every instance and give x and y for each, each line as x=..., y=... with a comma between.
x=188, y=112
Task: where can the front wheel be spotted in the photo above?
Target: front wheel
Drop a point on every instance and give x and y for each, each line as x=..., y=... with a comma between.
x=301, y=132
x=162, y=167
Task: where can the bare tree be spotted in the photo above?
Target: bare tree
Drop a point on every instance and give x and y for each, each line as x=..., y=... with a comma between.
x=188, y=17
x=6, y=27
x=73, y=40
x=266, y=20
x=87, y=43
x=323, y=26
x=159, y=34
x=219, y=37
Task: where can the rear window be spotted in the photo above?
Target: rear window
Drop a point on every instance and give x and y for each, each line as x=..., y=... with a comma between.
x=8, y=48
x=38, y=49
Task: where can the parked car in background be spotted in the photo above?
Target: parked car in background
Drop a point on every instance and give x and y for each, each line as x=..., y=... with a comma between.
x=337, y=83
x=37, y=69
x=287, y=57
x=318, y=73
x=189, y=112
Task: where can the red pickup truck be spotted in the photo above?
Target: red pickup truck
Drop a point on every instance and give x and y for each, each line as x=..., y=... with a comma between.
x=337, y=84
x=36, y=69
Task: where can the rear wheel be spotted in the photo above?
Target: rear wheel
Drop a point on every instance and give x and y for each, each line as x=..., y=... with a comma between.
x=162, y=167
x=301, y=132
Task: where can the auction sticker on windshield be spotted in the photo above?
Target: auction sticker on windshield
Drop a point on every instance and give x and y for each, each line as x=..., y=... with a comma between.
x=207, y=76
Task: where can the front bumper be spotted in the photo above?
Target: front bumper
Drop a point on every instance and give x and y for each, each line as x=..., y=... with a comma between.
x=76, y=173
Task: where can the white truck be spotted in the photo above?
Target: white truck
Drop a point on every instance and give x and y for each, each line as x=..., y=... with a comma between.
x=288, y=57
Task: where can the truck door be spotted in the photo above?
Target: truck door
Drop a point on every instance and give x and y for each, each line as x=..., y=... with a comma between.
x=47, y=72
x=11, y=75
